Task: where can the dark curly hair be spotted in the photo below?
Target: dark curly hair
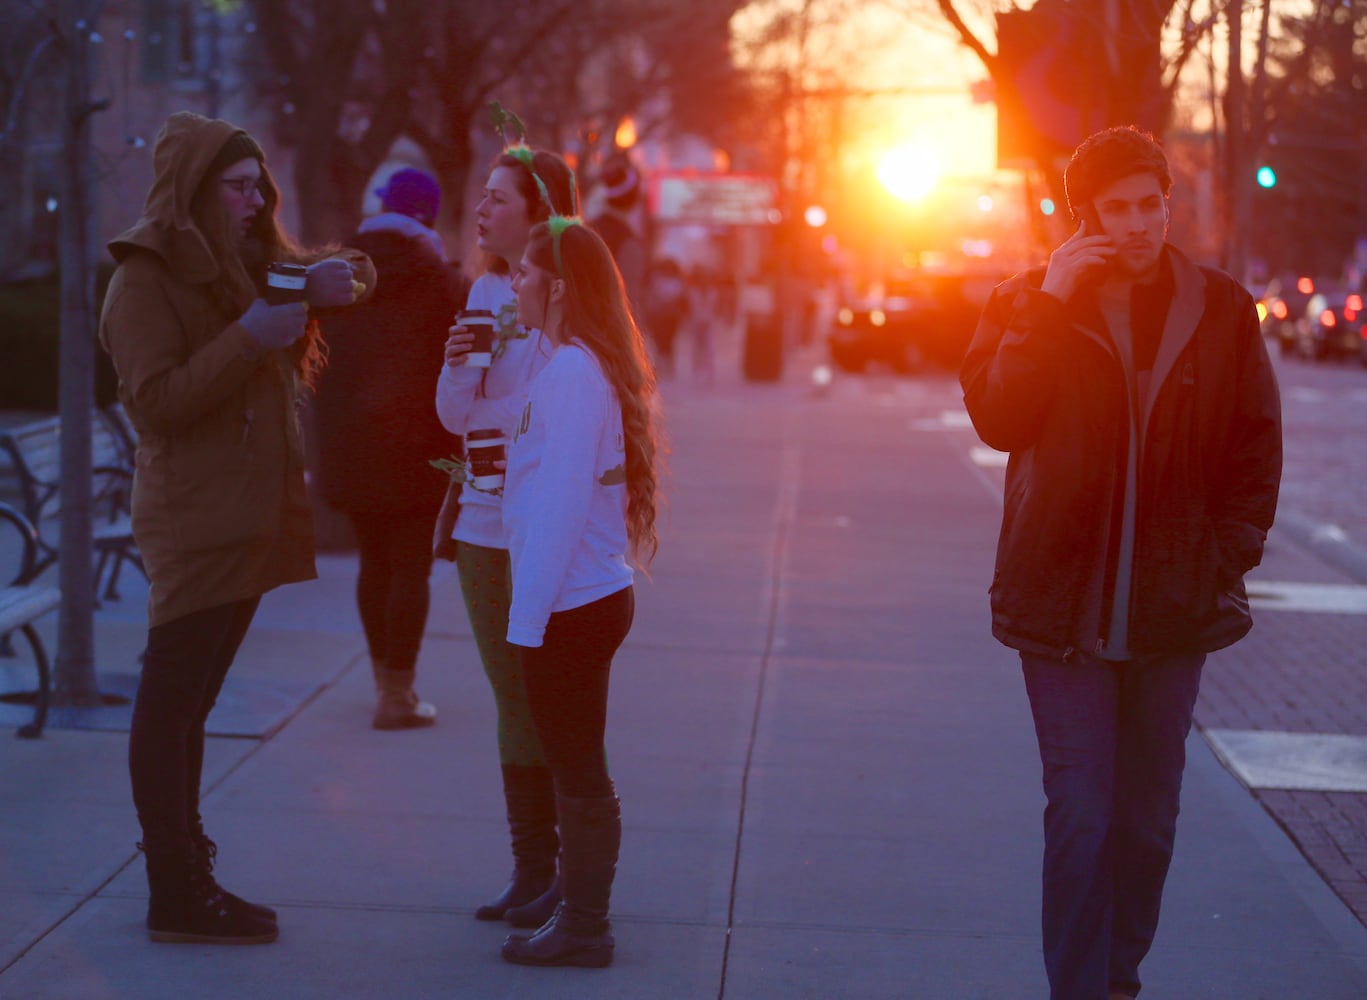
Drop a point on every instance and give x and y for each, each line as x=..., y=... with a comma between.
x=1105, y=157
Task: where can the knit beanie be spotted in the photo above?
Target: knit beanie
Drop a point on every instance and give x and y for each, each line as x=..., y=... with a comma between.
x=411, y=192
x=239, y=146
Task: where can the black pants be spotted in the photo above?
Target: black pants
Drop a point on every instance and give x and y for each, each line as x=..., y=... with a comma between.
x=1112, y=738
x=392, y=592
x=567, y=691
x=182, y=674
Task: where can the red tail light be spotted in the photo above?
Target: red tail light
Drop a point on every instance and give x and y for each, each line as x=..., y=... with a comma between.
x=1328, y=319
x=1279, y=309
x=1355, y=303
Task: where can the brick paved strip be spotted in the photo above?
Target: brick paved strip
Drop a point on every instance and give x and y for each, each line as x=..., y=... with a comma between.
x=1330, y=829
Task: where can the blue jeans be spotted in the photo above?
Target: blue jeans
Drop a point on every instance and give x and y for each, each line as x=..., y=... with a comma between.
x=1112, y=739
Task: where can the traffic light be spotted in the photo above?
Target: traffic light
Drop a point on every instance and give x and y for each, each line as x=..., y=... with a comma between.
x=1267, y=177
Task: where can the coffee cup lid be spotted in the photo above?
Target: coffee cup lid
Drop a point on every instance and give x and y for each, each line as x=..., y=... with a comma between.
x=476, y=314
x=486, y=434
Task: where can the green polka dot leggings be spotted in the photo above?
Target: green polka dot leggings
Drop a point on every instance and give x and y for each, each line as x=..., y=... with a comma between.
x=486, y=584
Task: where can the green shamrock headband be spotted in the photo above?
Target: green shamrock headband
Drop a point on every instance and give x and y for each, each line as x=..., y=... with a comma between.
x=516, y=147
x=557, y=224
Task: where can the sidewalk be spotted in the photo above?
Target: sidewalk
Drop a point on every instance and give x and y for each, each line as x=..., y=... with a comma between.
x=829, y=780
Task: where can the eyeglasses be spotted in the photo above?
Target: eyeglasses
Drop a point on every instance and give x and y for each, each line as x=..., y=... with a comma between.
x=244, y=186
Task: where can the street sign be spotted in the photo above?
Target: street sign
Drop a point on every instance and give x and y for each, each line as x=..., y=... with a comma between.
x=714, y=199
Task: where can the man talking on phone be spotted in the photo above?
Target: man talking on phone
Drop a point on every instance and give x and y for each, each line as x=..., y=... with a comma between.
x=1138, y=403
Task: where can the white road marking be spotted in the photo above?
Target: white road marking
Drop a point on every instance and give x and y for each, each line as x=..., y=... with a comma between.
x=1325, y=598
x=988, y=458
x=1324, y=762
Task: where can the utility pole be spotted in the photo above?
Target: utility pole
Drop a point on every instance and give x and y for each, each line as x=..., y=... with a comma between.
x=1236, y=149
x=75, y=668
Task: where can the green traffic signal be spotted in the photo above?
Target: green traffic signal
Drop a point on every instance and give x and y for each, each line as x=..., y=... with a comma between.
x=1267, y=177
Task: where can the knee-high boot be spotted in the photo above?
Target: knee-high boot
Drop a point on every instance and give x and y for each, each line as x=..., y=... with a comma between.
x=580, y=932
x=530, y=797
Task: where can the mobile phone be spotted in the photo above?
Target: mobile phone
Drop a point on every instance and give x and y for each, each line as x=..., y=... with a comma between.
x=1088, y=214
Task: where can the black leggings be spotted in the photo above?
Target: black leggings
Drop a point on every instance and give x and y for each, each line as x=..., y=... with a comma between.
x=392, y=592
x=182, y=673
x=567, y=691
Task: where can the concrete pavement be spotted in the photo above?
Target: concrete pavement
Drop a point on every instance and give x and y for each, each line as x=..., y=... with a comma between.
x=829, y=781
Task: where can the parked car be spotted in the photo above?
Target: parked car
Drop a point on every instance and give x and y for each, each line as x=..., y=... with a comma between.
x=1334, y=330
x=913, y=320
x=1283, y=312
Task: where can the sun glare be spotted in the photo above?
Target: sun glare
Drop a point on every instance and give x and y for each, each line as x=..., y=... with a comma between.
x=910, y=172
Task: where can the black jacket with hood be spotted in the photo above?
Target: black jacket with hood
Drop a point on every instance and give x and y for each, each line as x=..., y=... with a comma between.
x=377, y=428
x=1043, y=381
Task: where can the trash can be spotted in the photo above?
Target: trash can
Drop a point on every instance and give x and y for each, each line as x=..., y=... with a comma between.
x=762, y=357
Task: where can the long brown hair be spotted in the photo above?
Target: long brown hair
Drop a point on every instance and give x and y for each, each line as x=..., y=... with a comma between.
x=242, y=262
x=596, y=314
x=556, y=174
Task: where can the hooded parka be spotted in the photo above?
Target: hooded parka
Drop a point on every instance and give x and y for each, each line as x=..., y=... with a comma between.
x=220, y=509
x=1043, y=381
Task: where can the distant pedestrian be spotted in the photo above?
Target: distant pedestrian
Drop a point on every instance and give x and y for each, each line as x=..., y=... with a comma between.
x=210, y=375
x=580, y=497
x=524, y=187
x=618, y=225
x=377, y=432
x=1138, y=403
x=667, y=307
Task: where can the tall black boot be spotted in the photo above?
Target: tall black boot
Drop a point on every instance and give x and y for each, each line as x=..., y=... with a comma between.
x=206, y=852
x=579, y=933
x=187, y=908
x=530, y=797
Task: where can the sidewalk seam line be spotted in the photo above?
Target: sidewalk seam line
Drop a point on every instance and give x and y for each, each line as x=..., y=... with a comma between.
x=784, y=516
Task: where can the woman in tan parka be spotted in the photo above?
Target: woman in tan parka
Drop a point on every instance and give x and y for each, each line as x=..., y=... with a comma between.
x=209, y=374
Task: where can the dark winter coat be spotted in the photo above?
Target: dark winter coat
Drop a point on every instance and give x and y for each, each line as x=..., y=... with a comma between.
x=377, y=427
x=220, y=508
x=1041, y=382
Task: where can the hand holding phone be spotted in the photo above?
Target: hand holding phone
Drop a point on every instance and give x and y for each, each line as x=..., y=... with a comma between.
x=1080, y=260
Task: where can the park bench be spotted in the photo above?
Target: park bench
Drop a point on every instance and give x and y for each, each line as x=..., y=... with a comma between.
x=34, y=451
x=22, y=602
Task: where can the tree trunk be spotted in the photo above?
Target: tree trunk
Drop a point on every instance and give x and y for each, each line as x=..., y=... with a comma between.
x=75, y=667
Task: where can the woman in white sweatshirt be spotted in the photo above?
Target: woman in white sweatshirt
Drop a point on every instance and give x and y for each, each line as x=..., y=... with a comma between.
x=579, y=499
x=524, y=187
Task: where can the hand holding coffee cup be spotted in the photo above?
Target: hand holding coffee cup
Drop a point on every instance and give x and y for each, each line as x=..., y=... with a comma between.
x=458, y=343
x=330, y=283
x=486, y=455
x=482, y=325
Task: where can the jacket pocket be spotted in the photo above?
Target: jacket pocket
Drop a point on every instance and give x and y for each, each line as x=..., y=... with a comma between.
x=1186, y=588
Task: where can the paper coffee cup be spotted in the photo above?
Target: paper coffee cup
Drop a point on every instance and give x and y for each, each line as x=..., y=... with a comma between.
x=286, y=283
x=482, y=449
x=481, y=323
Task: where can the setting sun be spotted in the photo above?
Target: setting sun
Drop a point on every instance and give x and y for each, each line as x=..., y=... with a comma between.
x=910, y=172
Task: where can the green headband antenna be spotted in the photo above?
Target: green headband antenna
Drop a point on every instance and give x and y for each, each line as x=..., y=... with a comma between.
x=503, y=120
x=516, y=147
x=557, y=224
